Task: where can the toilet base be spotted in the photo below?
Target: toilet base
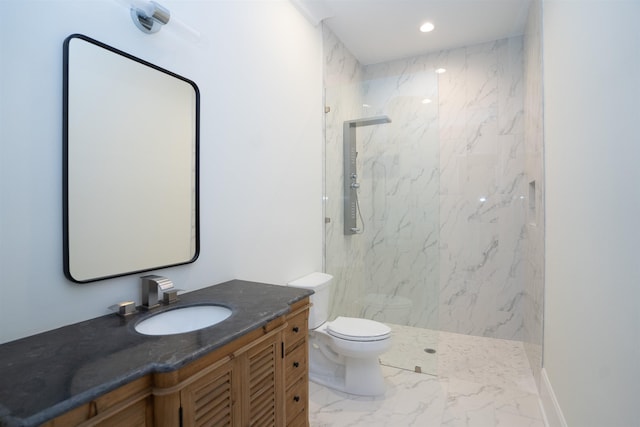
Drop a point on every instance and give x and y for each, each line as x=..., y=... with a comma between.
x=364, y=377
x=360, y=377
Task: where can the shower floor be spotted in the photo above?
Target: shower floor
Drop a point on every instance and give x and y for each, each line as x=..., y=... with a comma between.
x=467, y=357
x=408, y=349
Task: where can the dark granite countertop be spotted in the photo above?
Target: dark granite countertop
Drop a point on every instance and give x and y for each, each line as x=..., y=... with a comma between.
x=45, y=375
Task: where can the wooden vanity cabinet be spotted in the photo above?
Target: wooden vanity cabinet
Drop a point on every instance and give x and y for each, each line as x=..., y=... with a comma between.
x=237, y=385
x=296, y=361
x=260, y=379
x=130, y=405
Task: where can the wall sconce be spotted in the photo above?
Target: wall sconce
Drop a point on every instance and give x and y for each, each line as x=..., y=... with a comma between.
x=150, y=16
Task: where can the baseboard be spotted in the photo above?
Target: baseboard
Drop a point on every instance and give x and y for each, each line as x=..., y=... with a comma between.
x=552, y=412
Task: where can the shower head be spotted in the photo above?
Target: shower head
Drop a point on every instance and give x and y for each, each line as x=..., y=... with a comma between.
x=368, y=121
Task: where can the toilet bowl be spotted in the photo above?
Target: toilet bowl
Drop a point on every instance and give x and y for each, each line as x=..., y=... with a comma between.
x=343, y=353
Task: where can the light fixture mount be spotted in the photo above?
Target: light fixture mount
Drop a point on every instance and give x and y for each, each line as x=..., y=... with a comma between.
x=149, y=17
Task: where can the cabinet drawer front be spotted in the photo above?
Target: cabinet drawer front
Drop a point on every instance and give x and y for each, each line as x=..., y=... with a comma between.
x=297, y=398
x=302, y=420
x=297, y=328
x=138, y=415
x=295, y=362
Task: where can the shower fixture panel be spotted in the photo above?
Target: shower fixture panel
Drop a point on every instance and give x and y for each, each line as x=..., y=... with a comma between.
x=351, y=184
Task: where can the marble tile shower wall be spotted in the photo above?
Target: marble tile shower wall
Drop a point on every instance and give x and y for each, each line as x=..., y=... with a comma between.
x=534, y=167
x=400, y=193
x=446, y=219
x=482, y=189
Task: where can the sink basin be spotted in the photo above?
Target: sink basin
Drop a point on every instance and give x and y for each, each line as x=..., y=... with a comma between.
x=184, y=319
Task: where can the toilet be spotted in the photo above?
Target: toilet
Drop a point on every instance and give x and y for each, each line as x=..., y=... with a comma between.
x=343, y=353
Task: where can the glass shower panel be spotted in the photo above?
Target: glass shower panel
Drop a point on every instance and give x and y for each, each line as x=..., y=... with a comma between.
x=388, y=270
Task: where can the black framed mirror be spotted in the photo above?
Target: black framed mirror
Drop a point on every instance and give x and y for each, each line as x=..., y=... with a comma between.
x=130, y=164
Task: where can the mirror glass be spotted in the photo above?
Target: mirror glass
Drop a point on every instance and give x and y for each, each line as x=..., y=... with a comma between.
x=131, y=137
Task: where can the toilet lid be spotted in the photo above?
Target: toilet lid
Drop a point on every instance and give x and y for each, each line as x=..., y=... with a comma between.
x=353, y=329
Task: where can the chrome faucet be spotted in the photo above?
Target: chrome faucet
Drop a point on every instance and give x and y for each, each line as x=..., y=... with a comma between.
x=151, y=285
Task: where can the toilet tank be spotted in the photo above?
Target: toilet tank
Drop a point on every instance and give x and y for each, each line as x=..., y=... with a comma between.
x=320, y=284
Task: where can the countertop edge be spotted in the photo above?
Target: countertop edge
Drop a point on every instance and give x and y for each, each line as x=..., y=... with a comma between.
x=85, y=396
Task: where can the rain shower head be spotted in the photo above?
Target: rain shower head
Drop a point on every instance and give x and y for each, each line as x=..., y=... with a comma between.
x=368, y=121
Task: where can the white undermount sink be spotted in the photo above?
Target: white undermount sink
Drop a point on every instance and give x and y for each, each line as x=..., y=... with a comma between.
x=183, y=319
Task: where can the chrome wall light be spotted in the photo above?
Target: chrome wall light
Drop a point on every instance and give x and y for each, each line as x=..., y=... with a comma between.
x=150, y=16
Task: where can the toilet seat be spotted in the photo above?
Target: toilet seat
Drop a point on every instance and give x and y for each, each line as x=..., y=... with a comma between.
x=354, y=329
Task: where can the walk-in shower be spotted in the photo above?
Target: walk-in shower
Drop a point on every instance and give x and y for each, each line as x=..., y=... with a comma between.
x=381, y=196
x=351, y=185
x=442, y=190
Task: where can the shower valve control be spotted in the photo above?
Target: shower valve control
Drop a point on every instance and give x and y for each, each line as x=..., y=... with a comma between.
x=354, y=176
x=355, y=185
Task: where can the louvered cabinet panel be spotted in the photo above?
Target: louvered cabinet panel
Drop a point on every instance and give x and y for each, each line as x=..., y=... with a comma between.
x=209, y=400
x=264, y=380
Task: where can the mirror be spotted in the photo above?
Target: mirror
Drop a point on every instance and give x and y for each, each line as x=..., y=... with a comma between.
x=131, y=142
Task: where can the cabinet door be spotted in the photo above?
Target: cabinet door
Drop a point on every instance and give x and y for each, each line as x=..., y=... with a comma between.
x=264, y=384
x=209, y=400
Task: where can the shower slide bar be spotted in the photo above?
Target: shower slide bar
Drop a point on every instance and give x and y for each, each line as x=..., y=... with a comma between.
x=351, y=185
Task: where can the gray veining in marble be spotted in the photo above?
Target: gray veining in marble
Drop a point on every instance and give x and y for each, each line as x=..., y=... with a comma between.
x=50, y=373
x=443, y=189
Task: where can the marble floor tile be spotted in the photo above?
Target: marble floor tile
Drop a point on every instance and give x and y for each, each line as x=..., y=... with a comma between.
x=471, y=404
x=479, y=382
x=410, y=400
x=408, y=349
x=483, y=360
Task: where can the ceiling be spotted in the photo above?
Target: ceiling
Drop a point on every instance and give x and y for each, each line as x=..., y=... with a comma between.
x=384, y=30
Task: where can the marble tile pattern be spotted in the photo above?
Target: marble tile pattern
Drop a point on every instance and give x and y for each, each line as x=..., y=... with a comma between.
x=443, y=188
x=481, y=382
x=343, y=96
x=534, y=170
x=399, y=189
x=482, y=189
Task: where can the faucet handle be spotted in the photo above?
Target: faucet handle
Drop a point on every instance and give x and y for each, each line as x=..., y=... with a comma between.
x=124, y=309
x=170, y=295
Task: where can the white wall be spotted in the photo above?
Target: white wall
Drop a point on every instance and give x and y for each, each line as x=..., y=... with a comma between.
x=592, y=143
x=259, y=69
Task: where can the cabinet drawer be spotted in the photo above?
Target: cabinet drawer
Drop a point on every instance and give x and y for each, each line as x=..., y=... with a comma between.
x=140, y=414
x=297, y=329
x=297, y=397
x=295, y=362
x=301, y=420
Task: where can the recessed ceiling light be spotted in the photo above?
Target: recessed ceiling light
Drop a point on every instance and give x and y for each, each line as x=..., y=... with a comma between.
x=427, y=27
x=426, y=101
x=441, y=70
